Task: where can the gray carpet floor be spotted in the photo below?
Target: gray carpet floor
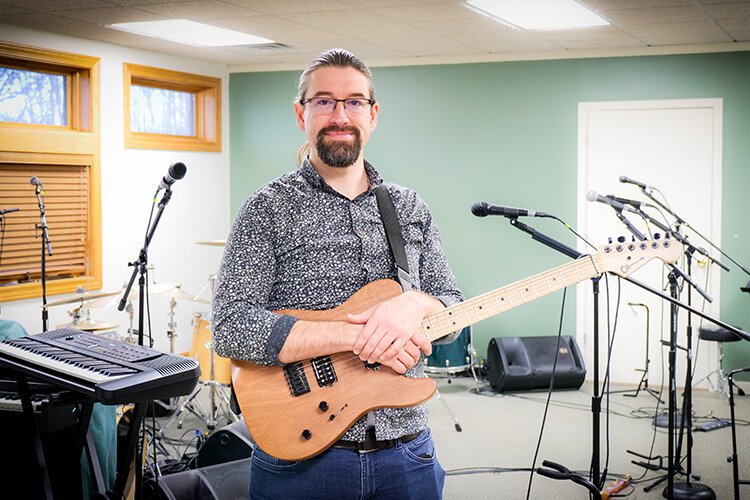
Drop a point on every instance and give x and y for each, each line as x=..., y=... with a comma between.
x=490, y=457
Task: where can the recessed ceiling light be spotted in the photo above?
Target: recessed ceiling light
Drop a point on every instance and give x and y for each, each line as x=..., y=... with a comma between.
x=539, y=14
x=191, y=33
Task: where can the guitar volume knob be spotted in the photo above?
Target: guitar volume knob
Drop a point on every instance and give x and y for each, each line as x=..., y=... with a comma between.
x=323, y=406
x=306, y=434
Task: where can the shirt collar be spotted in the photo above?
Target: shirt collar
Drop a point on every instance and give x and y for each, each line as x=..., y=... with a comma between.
x=313, y=177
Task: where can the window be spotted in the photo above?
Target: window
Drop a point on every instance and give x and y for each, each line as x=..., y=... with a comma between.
x=171, y=110
x=49, y=119
x=28, y=96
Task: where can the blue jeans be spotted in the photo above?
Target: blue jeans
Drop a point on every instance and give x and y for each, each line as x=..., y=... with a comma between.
x=408, y=470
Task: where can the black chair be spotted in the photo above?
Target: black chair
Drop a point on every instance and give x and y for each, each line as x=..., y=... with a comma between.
x=711, y=333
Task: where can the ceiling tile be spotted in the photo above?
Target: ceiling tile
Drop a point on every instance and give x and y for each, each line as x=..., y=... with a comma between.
x=482, y=25
x=669, y=28
x=110, y=15
x=685, y=39
x=290, y=6
x=651, y=15
x=280, y=30
x=212, y=9
x=504, y=42
x=421, y=13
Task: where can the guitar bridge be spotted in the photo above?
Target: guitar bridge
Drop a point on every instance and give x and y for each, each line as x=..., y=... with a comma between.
x=296, y=378
x=371, y=366
x=324, y=372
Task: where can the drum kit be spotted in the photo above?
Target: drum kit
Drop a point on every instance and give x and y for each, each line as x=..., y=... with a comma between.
x=215, y=370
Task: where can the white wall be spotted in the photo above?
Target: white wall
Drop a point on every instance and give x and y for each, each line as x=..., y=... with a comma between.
x=199, y=209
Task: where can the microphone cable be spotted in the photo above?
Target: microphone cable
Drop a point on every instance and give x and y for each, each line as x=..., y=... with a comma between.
x=549, y=395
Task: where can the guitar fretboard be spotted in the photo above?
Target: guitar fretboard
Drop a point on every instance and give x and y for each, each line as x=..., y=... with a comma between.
x=489, y=304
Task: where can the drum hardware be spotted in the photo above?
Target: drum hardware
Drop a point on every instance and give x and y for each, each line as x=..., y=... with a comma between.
x=213, y=243
x=450, y=360
x=86, y=324
x=172, y=325
x=202, y=349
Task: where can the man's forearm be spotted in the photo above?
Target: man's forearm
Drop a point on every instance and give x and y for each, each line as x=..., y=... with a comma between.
x=308, y=339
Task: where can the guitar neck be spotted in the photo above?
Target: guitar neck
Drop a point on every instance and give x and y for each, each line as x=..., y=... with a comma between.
x=458, y=316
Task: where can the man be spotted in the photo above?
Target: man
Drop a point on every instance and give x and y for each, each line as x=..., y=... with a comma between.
x=309, y=240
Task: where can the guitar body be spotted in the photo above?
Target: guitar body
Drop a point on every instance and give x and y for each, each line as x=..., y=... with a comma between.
x=297, y=427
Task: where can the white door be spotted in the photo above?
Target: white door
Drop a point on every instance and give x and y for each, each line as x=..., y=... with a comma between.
x=675, y=147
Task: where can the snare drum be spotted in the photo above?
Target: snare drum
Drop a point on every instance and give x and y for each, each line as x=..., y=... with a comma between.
x=200, y=350
x=450, y=358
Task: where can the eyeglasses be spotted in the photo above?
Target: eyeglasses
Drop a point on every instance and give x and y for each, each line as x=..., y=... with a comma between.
x=325, y=105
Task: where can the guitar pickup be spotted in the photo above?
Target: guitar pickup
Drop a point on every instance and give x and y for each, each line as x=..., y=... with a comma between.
x=296, y=378
x=324, y=372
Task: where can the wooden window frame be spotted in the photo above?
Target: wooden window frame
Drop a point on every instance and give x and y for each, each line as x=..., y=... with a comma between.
x=207, y=91
x=78, y=143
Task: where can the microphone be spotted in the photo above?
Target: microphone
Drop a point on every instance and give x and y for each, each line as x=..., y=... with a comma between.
x=607, y=200
x=483, y=209
x=175, y=173
x=34, y=181
x=626, y=201
x=8, y=210
x=627, y=180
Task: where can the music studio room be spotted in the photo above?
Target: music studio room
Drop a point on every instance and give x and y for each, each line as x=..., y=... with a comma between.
x=587, y=163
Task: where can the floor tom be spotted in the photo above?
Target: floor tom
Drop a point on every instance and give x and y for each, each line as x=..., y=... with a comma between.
x=450, y=358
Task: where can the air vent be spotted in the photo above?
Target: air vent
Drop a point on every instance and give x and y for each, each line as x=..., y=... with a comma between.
x=263, y=47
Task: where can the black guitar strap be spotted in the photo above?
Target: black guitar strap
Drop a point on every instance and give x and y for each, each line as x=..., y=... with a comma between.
x=394, y=236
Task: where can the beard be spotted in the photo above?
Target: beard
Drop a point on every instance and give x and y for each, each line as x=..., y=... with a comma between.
x=339, y=154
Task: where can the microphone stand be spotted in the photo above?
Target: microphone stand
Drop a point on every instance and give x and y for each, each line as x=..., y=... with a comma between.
x=139, y=265
x=687, y=490
x=675, y=303
x=139, y=411
x=596, y=479
x=733, y=458
x=46, y=248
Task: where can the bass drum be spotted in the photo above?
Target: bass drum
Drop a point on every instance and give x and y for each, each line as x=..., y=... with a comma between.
x=451, y=358
x=200, y=350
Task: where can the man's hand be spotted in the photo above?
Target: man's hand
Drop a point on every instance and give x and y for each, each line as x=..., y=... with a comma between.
x=391, y=333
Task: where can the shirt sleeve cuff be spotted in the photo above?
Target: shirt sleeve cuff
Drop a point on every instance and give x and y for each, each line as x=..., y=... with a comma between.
x=448, y=300
x=279, y=333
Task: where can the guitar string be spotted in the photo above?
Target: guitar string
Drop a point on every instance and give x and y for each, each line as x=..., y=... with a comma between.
x=572, y=269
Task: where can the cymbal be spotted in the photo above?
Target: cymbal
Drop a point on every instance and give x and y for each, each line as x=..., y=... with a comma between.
x=166, y=289
x=79, y=297
x=90, y=326
x=213, y=243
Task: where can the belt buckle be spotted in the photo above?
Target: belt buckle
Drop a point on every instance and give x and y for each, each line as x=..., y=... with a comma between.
x=370, y=443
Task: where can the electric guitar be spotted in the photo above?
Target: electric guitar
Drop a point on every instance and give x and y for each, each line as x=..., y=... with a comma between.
x=297, y=411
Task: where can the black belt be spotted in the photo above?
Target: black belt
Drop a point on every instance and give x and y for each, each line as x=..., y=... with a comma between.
x=372, y=444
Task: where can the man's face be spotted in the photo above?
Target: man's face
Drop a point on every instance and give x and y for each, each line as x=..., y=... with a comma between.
x=337, y=138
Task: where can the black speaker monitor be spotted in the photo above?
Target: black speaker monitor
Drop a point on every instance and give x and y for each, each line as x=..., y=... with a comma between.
x=525, y=363
x=226, y=481
x=226, y=445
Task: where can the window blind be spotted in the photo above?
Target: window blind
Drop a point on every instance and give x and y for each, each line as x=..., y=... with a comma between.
x=66, y=203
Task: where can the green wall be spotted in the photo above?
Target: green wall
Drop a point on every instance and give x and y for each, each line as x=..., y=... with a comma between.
x=507, y=133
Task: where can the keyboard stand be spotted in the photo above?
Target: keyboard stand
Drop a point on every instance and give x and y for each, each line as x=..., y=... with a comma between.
x=83, y=442
x=131, y=453
x=33, y=433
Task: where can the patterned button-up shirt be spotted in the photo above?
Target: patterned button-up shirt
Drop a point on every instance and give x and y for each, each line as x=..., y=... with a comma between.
x=296, y=243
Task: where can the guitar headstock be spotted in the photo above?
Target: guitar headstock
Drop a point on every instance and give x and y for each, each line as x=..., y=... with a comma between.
x=623, y=255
